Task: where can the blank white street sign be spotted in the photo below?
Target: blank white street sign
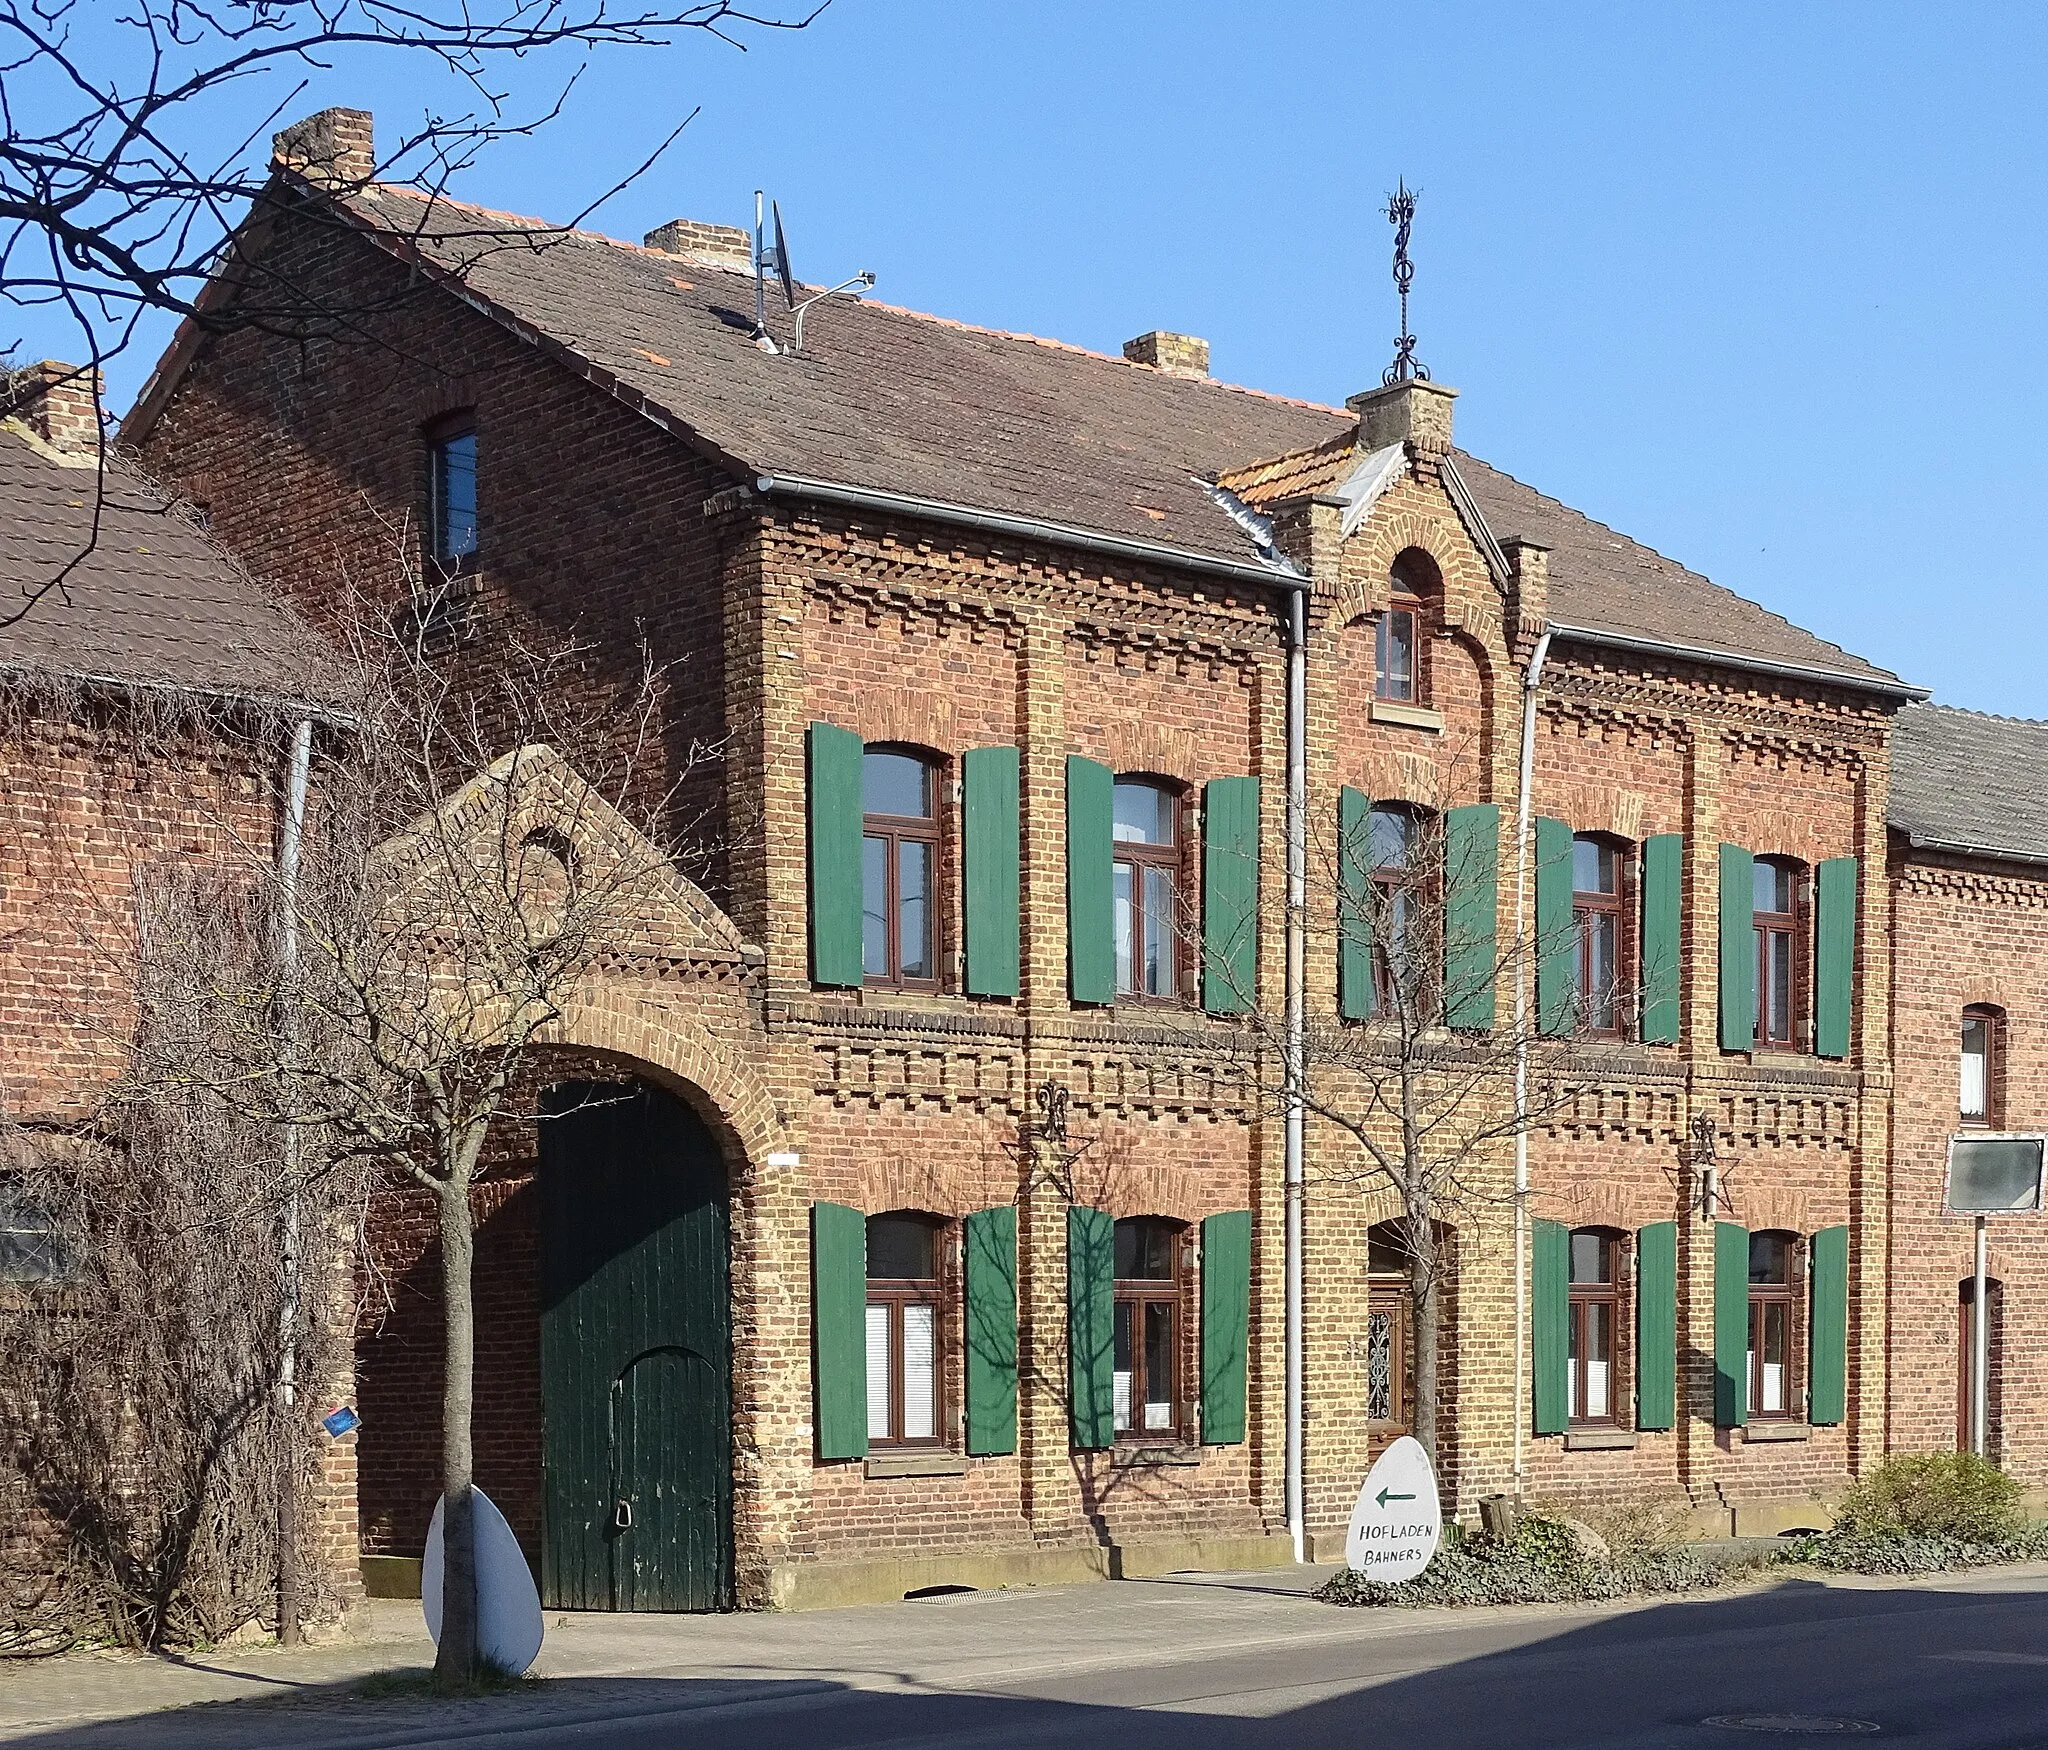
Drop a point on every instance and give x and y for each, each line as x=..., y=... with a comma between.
x=508, y=1622
x=1398, y=1519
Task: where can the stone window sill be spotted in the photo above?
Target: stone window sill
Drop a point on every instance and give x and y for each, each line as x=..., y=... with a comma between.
x=1145, y=1457
x=916, y=1464
x=1599, y=1440
x=1768, y=1431
x=1408, y=716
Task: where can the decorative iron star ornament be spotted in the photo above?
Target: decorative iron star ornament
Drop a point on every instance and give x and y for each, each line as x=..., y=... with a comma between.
x=1401, y=214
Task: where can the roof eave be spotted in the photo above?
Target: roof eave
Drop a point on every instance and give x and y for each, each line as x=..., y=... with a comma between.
x=1600, y=637
x=1963, y=848
x=1271, y=576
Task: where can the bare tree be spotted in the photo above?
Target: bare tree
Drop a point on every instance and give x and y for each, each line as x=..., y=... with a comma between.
x=1428, y=1066
x=135, y=165
x=484, y=838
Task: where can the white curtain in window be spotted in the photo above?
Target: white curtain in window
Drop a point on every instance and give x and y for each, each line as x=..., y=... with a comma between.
x=878, y=1370
x=920, y=1374
x=1973, y=1084
x=1596, y=1389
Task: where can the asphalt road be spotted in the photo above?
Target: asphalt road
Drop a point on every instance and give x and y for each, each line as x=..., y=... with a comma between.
x=1957, y=1663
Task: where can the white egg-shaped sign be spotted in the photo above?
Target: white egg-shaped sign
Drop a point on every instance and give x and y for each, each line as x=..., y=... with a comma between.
x=508, y=1622
x=1398, y=1519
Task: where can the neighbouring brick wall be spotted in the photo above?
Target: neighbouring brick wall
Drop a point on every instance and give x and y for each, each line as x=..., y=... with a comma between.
x=1966, y=932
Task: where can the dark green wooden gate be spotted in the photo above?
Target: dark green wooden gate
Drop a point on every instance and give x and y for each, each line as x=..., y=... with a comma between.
x=635, y=1354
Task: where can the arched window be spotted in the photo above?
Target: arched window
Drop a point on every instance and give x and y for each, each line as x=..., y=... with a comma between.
x=1597, y=916
x=1980, y=1103
x=1148, y=860
x=1399, y=664
x=1773, y=1336
x=1149, y=1285
x=905, y=1334
x=1594, y=1333
x=1780, y=971
x=899, y=868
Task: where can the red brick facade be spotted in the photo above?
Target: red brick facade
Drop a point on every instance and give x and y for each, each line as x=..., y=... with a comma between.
x=777, y=612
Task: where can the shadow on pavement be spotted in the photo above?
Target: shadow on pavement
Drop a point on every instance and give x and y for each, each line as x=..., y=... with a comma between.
x=1934, y=1667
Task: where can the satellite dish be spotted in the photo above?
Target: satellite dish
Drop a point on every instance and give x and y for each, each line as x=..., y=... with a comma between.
x=782, y=259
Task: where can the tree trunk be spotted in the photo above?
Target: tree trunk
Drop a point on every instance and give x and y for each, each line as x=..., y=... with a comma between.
x=455, y=1663
x=290, y=1610
x=1423, y=1298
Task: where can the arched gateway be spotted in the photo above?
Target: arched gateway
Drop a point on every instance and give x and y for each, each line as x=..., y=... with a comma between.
x=605, y=1369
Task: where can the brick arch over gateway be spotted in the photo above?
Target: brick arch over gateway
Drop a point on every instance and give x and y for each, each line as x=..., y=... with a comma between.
x=687, y=1056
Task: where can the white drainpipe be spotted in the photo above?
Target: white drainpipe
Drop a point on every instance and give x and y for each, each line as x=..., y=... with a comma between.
x=1523, y=974
x=1295, y=1069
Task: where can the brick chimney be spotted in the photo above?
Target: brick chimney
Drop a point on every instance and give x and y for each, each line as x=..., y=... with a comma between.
x=1530, y=562
x=1178, y=355
x=715, y=245
x=336, y=148
x=1415, y=413
x=57, y=402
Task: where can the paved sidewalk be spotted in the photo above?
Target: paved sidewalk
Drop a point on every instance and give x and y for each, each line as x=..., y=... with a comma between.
x=723, y=1670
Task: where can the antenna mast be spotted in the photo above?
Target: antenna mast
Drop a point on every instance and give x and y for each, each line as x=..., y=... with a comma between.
x=762, y=338
x=1400, y=211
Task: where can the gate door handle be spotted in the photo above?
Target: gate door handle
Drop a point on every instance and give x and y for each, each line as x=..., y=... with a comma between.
x=622, y=1516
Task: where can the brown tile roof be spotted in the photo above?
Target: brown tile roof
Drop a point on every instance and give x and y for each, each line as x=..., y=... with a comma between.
x=151, y=601
x=1965, y=781
x=889, y=400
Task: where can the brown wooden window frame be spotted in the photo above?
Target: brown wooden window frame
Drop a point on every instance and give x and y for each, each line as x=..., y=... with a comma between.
x=1791, y=925
x=1389, y=1279
x=1582, y=1299
x=1588, y=904
x=1992, y=1021
x=1140, y=1294
x=896, y=1293
x=894, y=831
x=1787, y=1295
x=1410, y=586
x=1137, y=857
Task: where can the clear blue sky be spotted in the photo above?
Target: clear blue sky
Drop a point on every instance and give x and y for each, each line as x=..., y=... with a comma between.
x=1759, y=285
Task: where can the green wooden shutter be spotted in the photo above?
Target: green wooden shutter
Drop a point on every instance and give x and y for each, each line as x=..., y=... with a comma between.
x=1091, y=1326
x=990, y=1244
x=1827, y=1392
x=1550, y=1259
x=994, y=870
x=1657, y=1325
x=1226, y=1324
x=1355, y=997
x=1731, y=1324
x=1834, y=967
x=1091, y=881
x=1230, y=895
x=1738, y=952
x=1663, y=863
x=1471, y=913
x=1557, y=940
x=836, y=818
x=839, y=1319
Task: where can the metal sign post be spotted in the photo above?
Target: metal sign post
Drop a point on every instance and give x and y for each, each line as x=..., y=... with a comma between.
x=1990, y=1173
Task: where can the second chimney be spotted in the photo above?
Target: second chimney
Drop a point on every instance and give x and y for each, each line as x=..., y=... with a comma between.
x=1178, y=355
x=58, y=402
x=715, y=245
x=336, y=147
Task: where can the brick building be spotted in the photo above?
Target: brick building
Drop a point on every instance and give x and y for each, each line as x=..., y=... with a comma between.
x=974, y=1266
x=143, y=682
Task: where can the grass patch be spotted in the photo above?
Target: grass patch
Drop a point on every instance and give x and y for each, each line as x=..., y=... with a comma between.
x=419, y=1685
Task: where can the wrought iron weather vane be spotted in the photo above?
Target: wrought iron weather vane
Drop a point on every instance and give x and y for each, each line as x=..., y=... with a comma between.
x=1401, y=215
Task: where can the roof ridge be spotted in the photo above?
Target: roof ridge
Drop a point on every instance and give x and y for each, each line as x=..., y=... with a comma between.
x=1982, y=716
x=526, y=222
